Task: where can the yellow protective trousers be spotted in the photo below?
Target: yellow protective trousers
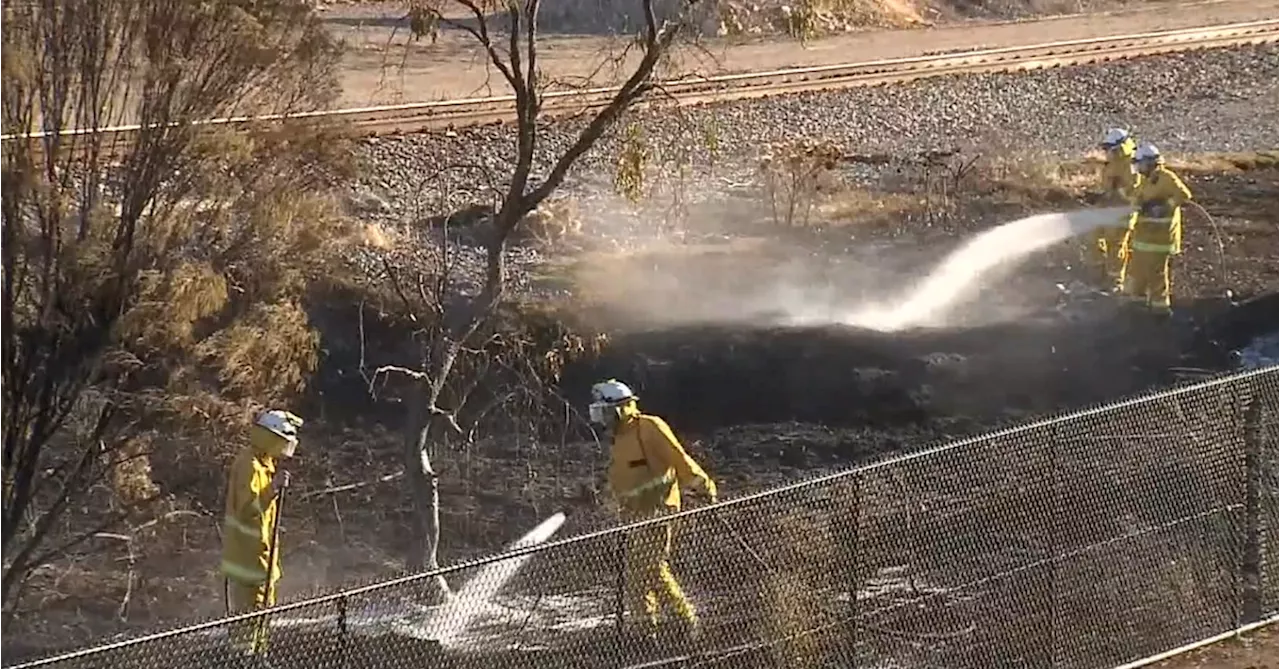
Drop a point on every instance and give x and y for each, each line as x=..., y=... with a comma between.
x=1146, y=277
x=250, y=635
x=650, y=585
x=1108, y=240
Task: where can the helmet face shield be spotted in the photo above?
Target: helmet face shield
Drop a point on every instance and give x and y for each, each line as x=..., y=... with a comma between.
x=607, y=401
x=272, y=443
x=596, y=412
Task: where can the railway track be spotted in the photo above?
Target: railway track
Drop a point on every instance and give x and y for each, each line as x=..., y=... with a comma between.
x=413, y=117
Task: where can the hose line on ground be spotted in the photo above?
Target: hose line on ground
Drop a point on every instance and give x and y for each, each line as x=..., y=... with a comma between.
x=1222, y=251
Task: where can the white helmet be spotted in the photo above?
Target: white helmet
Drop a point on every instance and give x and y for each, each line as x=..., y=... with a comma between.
x=1146, y=158
x=284, y=425
x=1147, y=153
x=1114, y=137
x=607, y=395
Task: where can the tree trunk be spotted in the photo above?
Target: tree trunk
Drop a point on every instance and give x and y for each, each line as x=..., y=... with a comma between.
x=424, y=490
x=429, y=423
x=427, y=428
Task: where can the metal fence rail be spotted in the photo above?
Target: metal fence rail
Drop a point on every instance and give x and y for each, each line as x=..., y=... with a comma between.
x=1083, y=541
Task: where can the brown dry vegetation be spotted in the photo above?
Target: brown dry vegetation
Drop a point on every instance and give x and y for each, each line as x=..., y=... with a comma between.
x=153, y=294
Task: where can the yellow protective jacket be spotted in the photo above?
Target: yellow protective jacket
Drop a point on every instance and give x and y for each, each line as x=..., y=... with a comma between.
x=647, y=462
x=1118, y=178
x=250, y=519
x=1156, y=223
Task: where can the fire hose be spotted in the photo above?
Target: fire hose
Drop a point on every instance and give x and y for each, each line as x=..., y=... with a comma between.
x=1222, y=251
x=742, y=541
x=724, y=525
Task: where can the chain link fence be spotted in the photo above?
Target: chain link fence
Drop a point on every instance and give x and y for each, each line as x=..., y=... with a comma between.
x=1083, y=541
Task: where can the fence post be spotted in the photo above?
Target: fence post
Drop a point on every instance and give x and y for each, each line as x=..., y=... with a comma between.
x=344, y=639
x=342, y=617
x=620, y=585
x=1251, y=559
x=855, y=583
x=1054, y=510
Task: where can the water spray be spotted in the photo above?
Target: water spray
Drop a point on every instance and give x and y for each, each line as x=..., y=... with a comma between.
x=475, y=598
x=963, y=272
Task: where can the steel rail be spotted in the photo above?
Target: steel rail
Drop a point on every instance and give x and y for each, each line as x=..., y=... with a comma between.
x=830, y=77
x=463, y=112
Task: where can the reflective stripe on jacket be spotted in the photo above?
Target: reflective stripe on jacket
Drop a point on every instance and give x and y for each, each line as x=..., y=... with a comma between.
x=648, y=465
x=652, y=484
x=249, y=519
x=1152, y=248
x=1163, y=191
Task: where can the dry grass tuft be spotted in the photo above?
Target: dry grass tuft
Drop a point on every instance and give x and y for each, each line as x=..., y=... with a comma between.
x=376, y=236
x=865, y=208
x=131, y=476
x=1042, y=181
x=1225, y=163
x=553, y=222
x=268, y=354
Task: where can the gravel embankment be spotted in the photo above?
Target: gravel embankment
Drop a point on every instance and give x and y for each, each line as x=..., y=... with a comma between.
x=1214, y=100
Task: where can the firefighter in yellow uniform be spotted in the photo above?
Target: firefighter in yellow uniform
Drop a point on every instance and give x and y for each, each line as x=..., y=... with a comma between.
x=647, y=467
x=1155, y=230
x=250, y=556
x=1118, y=180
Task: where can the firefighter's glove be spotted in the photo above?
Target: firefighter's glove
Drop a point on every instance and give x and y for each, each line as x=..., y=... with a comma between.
x=710, y=487
x=279, y=482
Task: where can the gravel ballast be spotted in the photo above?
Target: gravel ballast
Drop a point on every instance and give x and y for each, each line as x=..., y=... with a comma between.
x=1211, y=100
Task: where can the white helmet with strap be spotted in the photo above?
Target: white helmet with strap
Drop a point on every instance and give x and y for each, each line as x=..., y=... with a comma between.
x=1114, y=137
x=1146, y=158
x=283, y=428
x=606, y=395
x=1147, y=153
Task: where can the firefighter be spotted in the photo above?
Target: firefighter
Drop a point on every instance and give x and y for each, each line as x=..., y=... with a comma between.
x=1155, y=230
x=647, y=467
x=1118, y=180
x=250, y=556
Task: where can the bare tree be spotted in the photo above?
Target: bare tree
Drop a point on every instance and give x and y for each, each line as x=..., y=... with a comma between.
x=156, y=279
x=515, y=56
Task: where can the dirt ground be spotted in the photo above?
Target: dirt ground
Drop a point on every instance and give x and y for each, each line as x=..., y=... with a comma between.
x=382, y=67
x=760, y=404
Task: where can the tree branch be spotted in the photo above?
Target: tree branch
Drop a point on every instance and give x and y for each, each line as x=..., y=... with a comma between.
x=481, y=34
x=657, y=41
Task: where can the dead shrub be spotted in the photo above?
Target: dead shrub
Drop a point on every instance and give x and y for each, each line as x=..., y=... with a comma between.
x=131, y=476
x=794, y=175
x=555, y=221
x=153, y=286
